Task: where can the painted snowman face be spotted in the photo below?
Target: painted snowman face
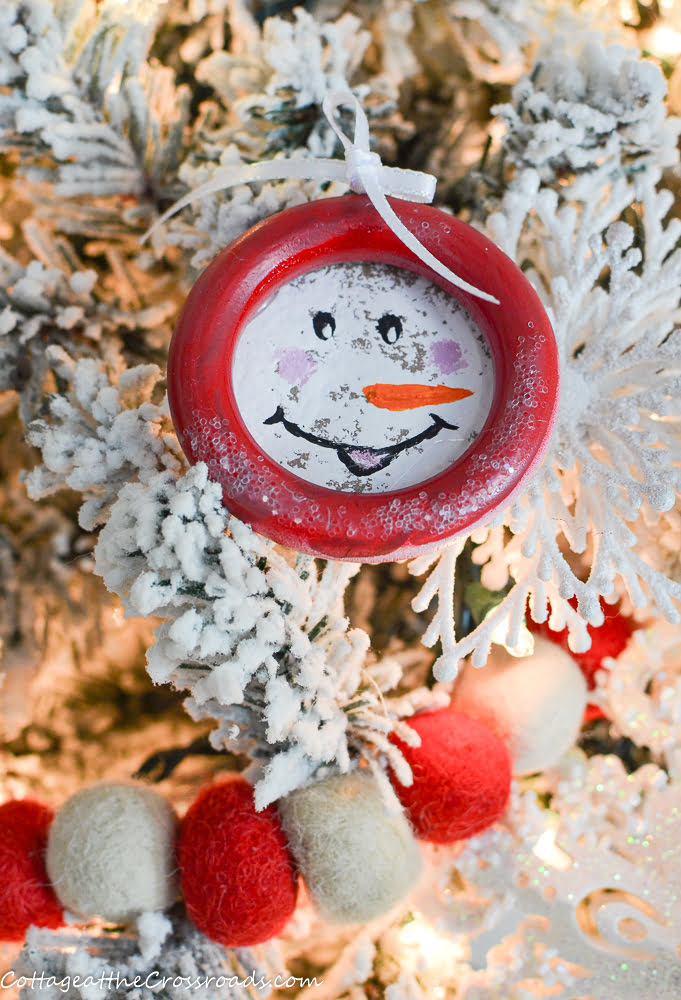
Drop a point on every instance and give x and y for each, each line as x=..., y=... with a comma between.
x=362, y=378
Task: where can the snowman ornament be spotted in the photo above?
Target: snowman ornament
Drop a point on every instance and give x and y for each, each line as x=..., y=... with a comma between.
x=344, y=377
x=366, y=379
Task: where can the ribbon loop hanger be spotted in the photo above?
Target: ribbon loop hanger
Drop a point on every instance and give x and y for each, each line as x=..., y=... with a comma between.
x=362, y=170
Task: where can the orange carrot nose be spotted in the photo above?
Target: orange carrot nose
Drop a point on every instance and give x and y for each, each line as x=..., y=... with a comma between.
x=408, y=397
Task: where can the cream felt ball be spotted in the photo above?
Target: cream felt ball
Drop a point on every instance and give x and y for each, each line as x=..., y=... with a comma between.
x=111, y=852
x=357, y=859
x=535, y=703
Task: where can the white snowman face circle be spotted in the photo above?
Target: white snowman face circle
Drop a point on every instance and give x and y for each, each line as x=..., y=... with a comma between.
x=362, y=377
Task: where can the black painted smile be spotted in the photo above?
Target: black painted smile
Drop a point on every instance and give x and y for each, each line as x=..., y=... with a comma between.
x=361, y=461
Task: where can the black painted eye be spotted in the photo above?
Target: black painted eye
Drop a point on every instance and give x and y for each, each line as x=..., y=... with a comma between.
x=324, y=325
x=390, y=328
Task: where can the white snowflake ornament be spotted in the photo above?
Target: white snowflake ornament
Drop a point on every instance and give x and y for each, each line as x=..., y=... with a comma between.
x=614, y=460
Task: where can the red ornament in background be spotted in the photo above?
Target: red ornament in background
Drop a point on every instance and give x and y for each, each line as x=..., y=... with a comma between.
x=607, y=640
x=354, y=523
x=462, y=776
x=237, y=875
x=26, y=896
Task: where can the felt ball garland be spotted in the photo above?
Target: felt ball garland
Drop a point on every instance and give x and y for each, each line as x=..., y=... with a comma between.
x=461, y=776
x=238, y=878
x=114, y=851
x=26, y=896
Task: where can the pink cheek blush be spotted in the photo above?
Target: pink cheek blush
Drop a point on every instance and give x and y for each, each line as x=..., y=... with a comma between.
x=295, y=365
x=448, y=357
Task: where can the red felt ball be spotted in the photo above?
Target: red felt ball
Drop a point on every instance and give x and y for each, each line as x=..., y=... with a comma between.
x=462, y=776
x=26, y=896
x=237, y=875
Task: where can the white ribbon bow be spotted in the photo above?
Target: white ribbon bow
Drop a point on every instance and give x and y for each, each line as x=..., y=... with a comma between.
x=361, y=169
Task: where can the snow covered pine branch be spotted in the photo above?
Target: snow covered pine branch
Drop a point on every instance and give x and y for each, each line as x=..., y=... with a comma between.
x=261, y=643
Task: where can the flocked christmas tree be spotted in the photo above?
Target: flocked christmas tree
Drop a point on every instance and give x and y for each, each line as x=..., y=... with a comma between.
x=148, y=634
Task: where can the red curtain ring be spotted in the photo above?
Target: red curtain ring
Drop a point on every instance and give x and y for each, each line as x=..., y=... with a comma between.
x=521, y=386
